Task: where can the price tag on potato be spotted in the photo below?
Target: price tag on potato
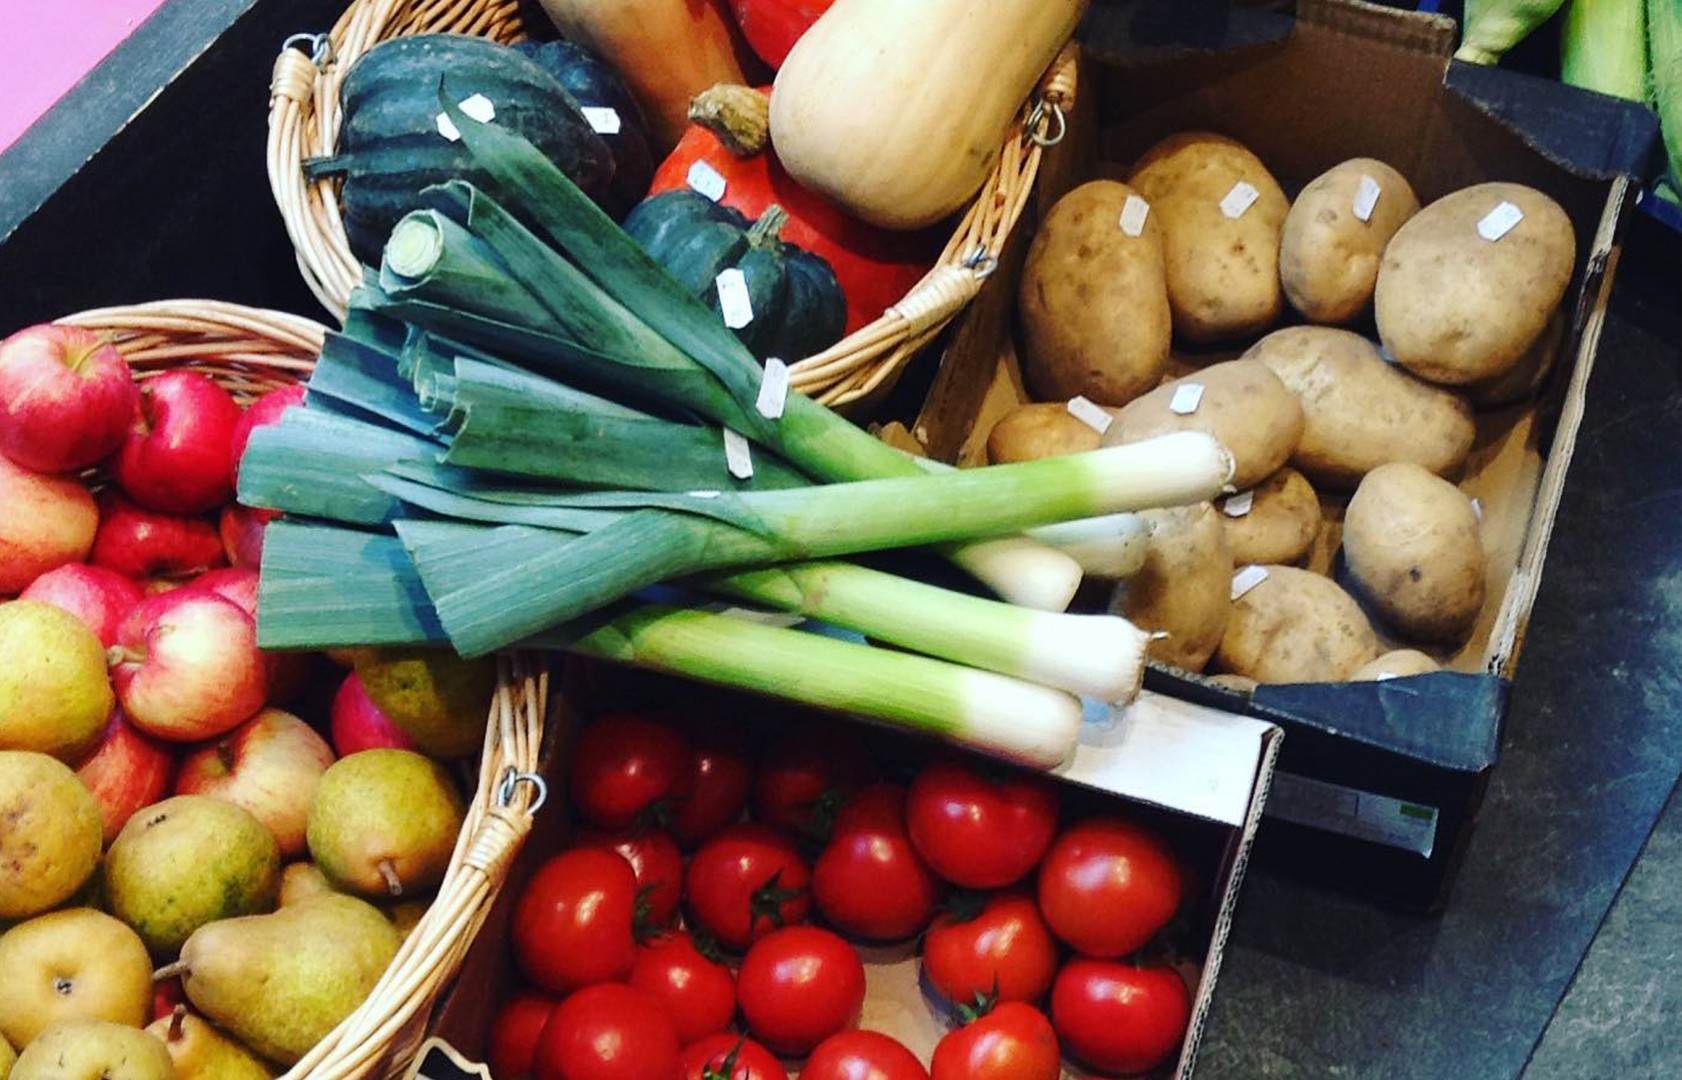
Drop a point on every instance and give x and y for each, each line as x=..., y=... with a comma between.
x=706, y=179
x=1247, y=579
x=1239, y=505
x=1092, y=415
x=773, y=390
x=1134, y=212
x=738, y=457
x=1242, y=196
x=479, y=107
x=733, y=301
x=602, y=120
x=1187, y=397
x=1500, y=221
x=1366, y=198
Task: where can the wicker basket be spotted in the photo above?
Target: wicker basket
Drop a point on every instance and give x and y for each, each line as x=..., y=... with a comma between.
x=304, y=123
x=250, y=351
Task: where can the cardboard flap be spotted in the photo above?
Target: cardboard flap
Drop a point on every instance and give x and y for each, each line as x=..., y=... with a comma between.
x=1591, y=135
x=1446, y=718
x=1417, y=31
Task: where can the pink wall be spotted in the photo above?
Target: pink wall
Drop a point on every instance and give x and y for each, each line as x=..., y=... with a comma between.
x=48, y=45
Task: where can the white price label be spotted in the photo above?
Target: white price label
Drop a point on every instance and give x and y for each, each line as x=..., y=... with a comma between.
x=704, y=494
x=1133, y=214
x=707, y=180
x=479, y=107
x=602, y=120
x=1092, y=415
x=733, y=301
x=1187, y=397
x=1239, y=504
x=1242, y=196
x=737, y=456
x=1500, y=221
x=1366, y=198
x=1247, y=579
x=773, y=389
x=1477, y=510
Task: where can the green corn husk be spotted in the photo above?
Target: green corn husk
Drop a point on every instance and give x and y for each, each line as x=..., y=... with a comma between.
x=1492, y=27
x=1603, y=47
x=1664, y=38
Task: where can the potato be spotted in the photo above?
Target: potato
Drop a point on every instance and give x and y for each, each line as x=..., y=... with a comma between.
x=1454, y=307
x=1394, y=664
x=1410, y=541
x=1522, y=381
x=1223, y=272
x=1094, y=301
x=1280, y=525
x=1360, y=412
x=1184, y=588
x=1328, y=257
x=1295, y=626
x=1038, y=430
x=1243, y=404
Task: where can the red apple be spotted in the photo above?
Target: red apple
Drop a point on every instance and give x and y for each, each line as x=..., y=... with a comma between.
x=242, y=528
x=175, y=457
x=127, y=772
x=66, y=398
x=142, y=543
x=289, y=672
x=97, y=595
x=166, y=995
x=270, y=765
x=186, y=666
x=356, y=723
x=45, y=522
x=265, y=410
x=236, y=583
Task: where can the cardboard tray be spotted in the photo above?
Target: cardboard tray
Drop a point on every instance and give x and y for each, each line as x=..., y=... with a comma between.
x=1379, y=782
x=1198, y=775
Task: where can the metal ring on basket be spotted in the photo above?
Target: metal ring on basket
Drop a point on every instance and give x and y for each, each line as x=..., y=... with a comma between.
x=512, y=779
x=319, y=46
x=982, y=262
x=1037, y=120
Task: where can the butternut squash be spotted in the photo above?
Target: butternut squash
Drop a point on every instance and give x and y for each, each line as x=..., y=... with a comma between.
x=895, y=110
x=667, y=50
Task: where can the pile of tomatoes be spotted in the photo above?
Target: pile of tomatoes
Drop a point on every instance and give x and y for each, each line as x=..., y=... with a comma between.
x=703, y=924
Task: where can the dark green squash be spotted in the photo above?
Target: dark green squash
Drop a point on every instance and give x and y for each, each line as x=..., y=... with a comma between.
x=594, y=84
x=390, y=146
x=798, y=306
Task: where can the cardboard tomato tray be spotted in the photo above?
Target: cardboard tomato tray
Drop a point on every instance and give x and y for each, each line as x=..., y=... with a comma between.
x=1198, y=776
x=1379, y=783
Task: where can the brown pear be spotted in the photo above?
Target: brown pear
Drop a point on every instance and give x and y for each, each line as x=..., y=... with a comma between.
x=93, y=1050
x=201, y=1052
x=75, y=964
x=384, y=823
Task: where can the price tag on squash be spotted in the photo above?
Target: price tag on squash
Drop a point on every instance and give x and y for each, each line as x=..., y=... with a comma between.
x=733, y=301
x=1242, y=196
x=1187, y=397
x=1240, y=504
x=1500, y=221
x=1090, y=414
x=738, y=457
x=707, y=180
x=773, y=389
x=602, y=120
x=1133, y=214
x=1247, y=579
x=479, y=107
x=1366, y=198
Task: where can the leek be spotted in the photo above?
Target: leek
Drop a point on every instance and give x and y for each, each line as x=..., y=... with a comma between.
x=1603, y=47
x=1492, y=27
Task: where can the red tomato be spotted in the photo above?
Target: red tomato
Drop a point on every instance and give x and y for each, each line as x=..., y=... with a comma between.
x=870, y=881
x=609, y=1031
x=807, y=775
x=1120, y=1018
x=798, y=986
x=514, y=1033
x=572, y=924
x=698, y=991
x=1012, y=1042
x=745, y=882
x=657, y=863
x=1005, y=950
x=625, y=764
x=978, y=828
x=773, y=26
x=730, y=1057
x=862, y=1055
x=722, y=778
x=1107, y=886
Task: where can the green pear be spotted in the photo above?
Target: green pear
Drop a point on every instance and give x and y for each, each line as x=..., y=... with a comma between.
x=188, y=861
x=279, y=983
x=76, y=964
x=201, y=1052
x=50, y=832
x=8, y=1057
x=439, y=700
x=384, y=823
x=93, y=1050
x=300, y=881
x=55, y=696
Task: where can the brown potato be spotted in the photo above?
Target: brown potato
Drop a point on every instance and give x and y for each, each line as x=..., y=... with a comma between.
x=1243, y=404
x=1183, y=590
x=1411, y=543
x=1094, y=301
x=1328, y=258
x=1522, y=381
x=1394, y=664
x=1294, y=627
x=1043, y=429
x=1223, y=272
x=1454, y=307
x=1359, y=411
x=1280, y=525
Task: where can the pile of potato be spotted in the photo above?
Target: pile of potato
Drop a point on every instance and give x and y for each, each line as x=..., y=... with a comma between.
x=1138, y=298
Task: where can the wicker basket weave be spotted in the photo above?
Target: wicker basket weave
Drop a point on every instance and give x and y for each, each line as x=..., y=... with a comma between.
x=250, y=351
x=304, y=122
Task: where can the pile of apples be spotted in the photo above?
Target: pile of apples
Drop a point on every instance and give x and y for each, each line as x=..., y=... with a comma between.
x=154, y=786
